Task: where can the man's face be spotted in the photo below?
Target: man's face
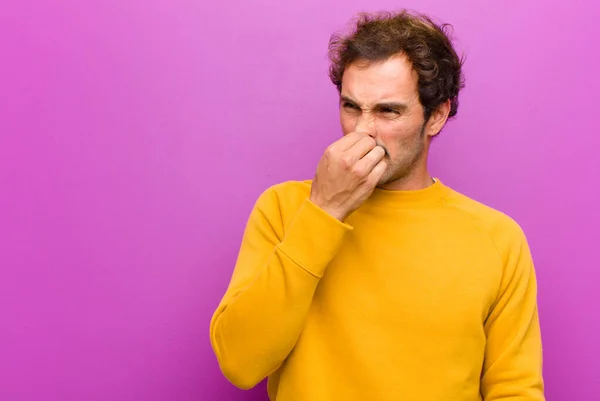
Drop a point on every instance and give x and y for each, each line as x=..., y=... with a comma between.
x=382, y=100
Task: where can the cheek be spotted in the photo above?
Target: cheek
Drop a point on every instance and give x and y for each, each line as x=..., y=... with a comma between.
x=348, y=122
x=391, y=135
x=397, y=138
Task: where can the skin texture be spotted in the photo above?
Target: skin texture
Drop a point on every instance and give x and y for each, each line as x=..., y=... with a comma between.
x=386, y=138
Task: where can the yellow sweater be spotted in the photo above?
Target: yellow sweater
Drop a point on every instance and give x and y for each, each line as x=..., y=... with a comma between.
x=419, y=296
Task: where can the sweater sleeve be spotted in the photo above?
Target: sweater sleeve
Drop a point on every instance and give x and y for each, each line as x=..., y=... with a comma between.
x=263, y=311
x=513, y=360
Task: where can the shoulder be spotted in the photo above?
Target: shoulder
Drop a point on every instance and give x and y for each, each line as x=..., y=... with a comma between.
x=286, y=193
x=283, y=199
x=501, y=228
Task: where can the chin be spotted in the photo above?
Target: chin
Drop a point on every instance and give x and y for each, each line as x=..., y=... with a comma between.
x=394, y=175
x=387, y=177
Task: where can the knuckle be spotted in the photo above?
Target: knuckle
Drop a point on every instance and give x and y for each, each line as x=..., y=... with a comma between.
x=358, y=171
x=330, y=151
x=346, y=161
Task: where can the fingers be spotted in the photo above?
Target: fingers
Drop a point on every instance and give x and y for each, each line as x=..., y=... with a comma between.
x=377, y=172
x=348, y=141
x=358, y=151
x=370, y=160
x=363, y=167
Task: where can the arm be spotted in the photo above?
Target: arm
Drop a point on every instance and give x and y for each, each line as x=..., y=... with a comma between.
x=513, y=362
x=263, y=311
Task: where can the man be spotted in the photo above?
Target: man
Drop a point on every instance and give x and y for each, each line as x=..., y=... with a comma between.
x=375, y=281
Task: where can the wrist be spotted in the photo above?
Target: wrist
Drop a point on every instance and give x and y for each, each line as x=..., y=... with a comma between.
x=333, y=212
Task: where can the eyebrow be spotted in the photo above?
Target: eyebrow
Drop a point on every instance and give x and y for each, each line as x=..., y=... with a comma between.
x=385, y=105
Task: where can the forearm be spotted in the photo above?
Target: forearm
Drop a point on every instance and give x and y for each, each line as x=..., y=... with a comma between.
x=264, y=310
x=517, y=374
x=257, y=330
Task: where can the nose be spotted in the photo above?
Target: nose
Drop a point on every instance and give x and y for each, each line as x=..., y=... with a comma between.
x=366, y=123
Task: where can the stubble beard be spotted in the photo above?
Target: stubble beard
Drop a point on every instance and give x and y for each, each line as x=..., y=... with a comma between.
x=401, y=169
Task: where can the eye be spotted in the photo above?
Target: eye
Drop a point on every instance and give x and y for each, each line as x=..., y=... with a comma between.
x=387, y=110
x=349, y=106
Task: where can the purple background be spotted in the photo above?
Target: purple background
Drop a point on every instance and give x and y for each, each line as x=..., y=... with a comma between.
x=136, y=135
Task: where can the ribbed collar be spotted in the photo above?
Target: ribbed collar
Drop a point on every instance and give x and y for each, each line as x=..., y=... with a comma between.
x=431, y=195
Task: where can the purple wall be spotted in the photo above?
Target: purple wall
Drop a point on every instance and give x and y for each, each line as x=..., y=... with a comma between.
x=136, y=135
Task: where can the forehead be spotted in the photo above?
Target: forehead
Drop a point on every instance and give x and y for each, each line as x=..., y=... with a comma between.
x=390, y=79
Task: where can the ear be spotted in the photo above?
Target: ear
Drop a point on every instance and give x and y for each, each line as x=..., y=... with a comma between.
x=438, y=119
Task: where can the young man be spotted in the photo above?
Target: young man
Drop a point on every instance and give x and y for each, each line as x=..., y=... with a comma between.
x=375, y=281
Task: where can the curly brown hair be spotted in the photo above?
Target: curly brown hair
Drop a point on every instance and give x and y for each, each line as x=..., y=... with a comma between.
x=427, y=44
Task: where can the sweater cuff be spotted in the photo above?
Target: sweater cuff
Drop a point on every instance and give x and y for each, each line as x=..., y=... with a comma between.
x=313, y=239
